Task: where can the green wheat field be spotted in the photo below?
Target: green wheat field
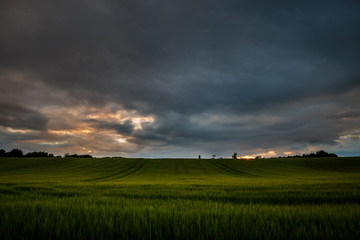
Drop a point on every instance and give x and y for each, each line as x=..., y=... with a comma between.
x=116, y=198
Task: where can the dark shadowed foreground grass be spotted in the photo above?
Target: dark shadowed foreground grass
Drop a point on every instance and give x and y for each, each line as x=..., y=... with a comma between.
x=179, y=199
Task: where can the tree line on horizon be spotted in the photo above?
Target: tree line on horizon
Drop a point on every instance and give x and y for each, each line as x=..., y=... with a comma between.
x=19, y=153
x=320, y=153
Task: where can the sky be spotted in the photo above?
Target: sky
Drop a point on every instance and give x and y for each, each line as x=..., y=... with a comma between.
x=160, y=78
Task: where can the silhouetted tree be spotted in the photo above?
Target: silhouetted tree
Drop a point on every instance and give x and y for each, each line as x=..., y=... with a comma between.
x=320, y=153
x=213, y=156
x=39, y=154
x=2, y=153
x=234, y=155
x=199, y=156
x=15, y=153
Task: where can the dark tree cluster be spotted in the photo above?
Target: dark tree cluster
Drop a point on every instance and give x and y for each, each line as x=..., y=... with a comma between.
x=19, y=153
x=67, y=155
x=39, y=154
x=13, y=153
x=320, y=153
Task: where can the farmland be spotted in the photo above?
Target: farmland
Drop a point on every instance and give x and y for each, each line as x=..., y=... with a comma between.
x=115, y=198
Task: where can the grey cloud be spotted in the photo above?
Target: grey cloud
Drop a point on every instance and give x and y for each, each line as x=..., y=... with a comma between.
x=346, y=115
x=20, y=117
x=180, y=60
x=125, y=128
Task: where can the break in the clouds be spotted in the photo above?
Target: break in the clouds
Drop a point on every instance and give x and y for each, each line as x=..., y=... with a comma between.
x=180, y=78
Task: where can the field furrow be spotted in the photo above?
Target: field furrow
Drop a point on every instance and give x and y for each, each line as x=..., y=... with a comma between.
x=227, y=170
x=136, y=166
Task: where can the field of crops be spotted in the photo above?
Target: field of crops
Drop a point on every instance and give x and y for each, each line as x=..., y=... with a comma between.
x=114, y=198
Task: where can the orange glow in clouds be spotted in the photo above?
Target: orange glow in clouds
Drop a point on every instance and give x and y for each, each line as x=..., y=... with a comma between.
x=70, y=132
x=246, y=157
x=13, y=130
x=268, y=154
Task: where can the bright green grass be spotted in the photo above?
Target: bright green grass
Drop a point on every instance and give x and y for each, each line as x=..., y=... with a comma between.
x=179, y=198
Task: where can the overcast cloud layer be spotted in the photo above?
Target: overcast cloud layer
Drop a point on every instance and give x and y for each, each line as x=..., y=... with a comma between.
x=180, y=78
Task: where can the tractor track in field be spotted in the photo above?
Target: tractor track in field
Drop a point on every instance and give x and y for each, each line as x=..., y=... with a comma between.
x=227, y=169
x=124, y=173
x=201, y=166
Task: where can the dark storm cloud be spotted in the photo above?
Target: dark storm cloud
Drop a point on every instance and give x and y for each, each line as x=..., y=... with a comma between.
x=346, y=115
x=20, y=117
x=186, y=62
x=125, y=128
